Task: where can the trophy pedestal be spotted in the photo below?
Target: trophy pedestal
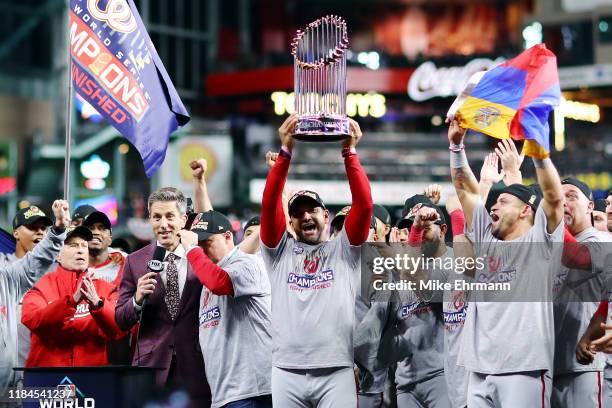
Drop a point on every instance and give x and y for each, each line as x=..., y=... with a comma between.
x=321, y=128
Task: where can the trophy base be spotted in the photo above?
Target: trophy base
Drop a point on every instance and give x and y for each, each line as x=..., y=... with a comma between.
x=321, y=128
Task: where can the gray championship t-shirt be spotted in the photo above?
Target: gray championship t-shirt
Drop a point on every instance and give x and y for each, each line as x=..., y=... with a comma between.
x=454, y=309
x=572, y=318
x=235, y=332
x=606, y=262
x=421, y=335
x=313, y=301
x=510, y=337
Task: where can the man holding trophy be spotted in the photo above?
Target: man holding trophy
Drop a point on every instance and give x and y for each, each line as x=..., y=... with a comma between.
x=314, y=283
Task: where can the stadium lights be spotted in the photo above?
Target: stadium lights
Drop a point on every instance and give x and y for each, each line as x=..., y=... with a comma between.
x=369, y=104
x=369, y=59
x=587, y=112
x=532, y=34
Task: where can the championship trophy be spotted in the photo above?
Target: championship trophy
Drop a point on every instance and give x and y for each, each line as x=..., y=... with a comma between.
x=319, y=54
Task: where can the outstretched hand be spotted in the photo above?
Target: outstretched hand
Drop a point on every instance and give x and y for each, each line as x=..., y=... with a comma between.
x=510, y=158
x=286, y=130
x=356, y=134
x=455, y=132
x=198, y=169
x=271, y=159
x=61, y=211
x=433, y=192
x=489, y=172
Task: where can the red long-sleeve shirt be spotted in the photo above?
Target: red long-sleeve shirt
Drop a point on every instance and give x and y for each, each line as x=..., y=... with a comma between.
x=65, y=333
x=575, y=255
x=602, y=310
x=212, y=276
x=357, y=222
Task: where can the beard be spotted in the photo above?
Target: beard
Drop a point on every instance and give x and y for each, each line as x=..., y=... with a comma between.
x=430, y=248
x=496, y=232
x=314, y=240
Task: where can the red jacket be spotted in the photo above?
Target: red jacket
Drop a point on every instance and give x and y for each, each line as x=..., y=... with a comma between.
x=63, y=333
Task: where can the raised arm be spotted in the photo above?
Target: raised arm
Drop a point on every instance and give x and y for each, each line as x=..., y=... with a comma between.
x=550, y=183
x=215, y=278
x=201, y=200
x=27, y=271
x=464, y=180
x=272, y=214
x=357, y=222
x=271, y=158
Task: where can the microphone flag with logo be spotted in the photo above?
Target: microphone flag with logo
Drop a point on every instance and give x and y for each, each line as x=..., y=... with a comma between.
x=116, y=69
x=514, y=99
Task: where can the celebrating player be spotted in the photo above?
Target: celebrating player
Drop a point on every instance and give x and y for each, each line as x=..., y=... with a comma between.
x=508, y=347
x=234, y=310
x=314, y=283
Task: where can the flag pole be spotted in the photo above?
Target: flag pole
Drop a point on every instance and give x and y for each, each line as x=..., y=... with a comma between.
x=68, y=141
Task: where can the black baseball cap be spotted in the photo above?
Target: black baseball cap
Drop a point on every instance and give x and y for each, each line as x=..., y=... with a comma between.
x=79, y=231
x=256, y=220
x=600, y=205
x=209, y=223
x=414, y=203
x=305, y=196
x=382, y=214
x=97, y=216
x=586, y=190
x=338, y=221
x=526, y=194
x=494, y=192
x=82, y=211
x=29, y=216
x=404, y=223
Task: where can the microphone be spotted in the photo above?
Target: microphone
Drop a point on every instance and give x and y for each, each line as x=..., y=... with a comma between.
x=154, y=265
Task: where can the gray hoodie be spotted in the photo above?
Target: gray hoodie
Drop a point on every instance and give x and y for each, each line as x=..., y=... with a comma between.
x=16, y=278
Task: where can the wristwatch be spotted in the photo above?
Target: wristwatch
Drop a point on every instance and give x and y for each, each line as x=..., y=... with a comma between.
x=98, y=305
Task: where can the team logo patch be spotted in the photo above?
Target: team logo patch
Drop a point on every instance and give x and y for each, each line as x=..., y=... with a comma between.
x=486, y=116
x=312, y=281
x=414, y=308
x=309, y=272
x=32, y=212
x=116, y=14
x=414, y=210
x=298, y=250
x=210, y=318
x=82, y=310
x=499, y=276
x=198, y=224
x=455, y=311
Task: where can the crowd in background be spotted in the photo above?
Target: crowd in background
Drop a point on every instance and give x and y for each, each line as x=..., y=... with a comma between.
x=227, y=329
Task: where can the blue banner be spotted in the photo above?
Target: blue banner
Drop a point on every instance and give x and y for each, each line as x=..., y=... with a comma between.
x=116, y=69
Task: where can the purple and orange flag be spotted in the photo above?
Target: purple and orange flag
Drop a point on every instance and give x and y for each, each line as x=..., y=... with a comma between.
x=116, y=69
x=514, y=99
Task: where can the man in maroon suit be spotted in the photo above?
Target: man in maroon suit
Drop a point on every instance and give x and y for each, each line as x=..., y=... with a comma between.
x=169, y=328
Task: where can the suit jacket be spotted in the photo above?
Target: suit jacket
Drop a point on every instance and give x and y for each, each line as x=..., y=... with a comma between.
x=160, y=337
